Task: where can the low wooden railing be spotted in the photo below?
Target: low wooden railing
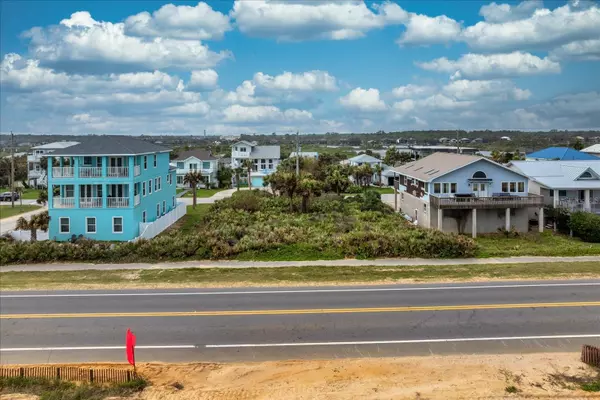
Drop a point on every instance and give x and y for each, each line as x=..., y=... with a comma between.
x=531, y=200
x=95, y=375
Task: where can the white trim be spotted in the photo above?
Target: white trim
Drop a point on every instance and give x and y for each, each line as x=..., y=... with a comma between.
x=155, y=161
x=56, y=154
x=144, y=188
x=122, y=224
x=60, y=225
x=516, y=186
x=95, y=225
x=145, y=162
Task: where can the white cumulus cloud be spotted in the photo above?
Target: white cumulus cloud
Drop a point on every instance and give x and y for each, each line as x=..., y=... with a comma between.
x=366, y=100
x=423, y=29
x=411, y=90
x=477, y=66
x=580, y=50
x=179, y=22
x=85, y=40
x=203, y=79
x=498, y=89
x=306, y=81
x=494, y=12
x=260, y=114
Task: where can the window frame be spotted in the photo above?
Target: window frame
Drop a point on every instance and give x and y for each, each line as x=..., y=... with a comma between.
x=144, y=188
x=150, y=187
x=155, y=160
x=144, y=217
x=60, y=225
x=164, y=207
x=437, y=188
x=145, y=162
x=519, y=185
x=87, y=225
x=122, y=224
x=157, y=210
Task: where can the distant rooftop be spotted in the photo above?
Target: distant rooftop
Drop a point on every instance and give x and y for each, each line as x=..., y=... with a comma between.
x=594, y=149
x=561, y=174
x=203, y=155
x=111, y=146
x=55, y=145
x=436, y=165
x=364, y=158
x=560, y=153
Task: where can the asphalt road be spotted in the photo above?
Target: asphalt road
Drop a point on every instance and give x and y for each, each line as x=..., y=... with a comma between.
x=297, y=323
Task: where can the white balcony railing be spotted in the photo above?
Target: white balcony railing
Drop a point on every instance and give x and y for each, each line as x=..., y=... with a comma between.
x=118, y=172
x=63, y=172
x=118, y=202
x=90, y=202
x=90, y=172
x=137, y=170
x=137, y=199
x=63, y=202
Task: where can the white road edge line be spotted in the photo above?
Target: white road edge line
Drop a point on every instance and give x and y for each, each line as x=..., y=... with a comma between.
x=300, y=291
x=306, y=344
x=416, y=341
x=18, y=349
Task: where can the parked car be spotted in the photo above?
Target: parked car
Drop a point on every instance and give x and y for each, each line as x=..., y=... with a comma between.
x=7, y=197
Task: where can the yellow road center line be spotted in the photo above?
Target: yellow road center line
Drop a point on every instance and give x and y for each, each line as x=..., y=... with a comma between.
x=224, y=313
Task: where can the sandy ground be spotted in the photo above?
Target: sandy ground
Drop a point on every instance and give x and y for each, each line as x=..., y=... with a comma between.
x=536, y=376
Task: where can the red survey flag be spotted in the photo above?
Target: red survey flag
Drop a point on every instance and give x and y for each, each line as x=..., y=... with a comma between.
x=130, y=347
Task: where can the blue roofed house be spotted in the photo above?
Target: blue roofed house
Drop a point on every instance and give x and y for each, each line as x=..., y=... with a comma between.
x=559, y=153
x=574, y=185
x=465, y=194
x=265, y=160
x=111, y=188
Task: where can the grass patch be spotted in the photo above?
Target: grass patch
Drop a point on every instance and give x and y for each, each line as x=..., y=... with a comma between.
x=591, y=386
x=8, y=211
x=28, y=194
x=318, y=275
x=48, y=389
x=190, y=223
x=534, y=244
x=179, y=190
x=203, y=193
x=511, y=389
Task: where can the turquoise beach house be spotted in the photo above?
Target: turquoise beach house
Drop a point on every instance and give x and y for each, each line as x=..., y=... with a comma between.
x=111, y=188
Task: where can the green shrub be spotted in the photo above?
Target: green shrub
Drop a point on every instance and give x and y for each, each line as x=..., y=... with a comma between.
x=354, y=189
x=586, y=226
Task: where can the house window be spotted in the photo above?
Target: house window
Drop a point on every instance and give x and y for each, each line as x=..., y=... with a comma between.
x=236, y=148
x=144, y=216
x=150, y=186
x=90, y=225
x=521, y=187
x=157, y=210
x=65, y=224
x=206, y=165
x=144, y=189
x=586, y=175
x=164, y=211
x=445, y=188
x=179, y=180
x=180, y=165
x=479, y=175
x=155, y=160
x=87, y=161
x=513, y=187
x=437, y=188
x=504, y=187
x=69, y=191
x=193, y=166
x=145, y=162
x=174, y=204
x=117, y=224
x=453, y=188
x=270, y=161
x=243, y=149
x=169, y=179
x=562, y=193
x=270, y=166
x=424, y=208
x=263, y=166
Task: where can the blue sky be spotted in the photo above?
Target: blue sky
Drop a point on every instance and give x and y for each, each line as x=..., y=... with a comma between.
x=261, y=66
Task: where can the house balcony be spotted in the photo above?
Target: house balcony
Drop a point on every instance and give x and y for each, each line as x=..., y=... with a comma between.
x=63, y=202
x=137, y=200
x=117, y=172
x=90, y=172
x=117, y=202
x=63, y=172
x=499, y=201
x=90, y=202
x=137, y=170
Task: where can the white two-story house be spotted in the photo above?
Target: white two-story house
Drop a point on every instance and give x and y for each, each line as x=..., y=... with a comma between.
x=36, y=172
x=197, y=160
x=265, y=159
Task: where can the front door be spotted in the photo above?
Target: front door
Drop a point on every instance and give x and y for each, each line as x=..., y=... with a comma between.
x=480, y=189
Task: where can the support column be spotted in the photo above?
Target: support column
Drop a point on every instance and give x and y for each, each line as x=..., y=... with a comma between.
x=131, y=195
x=474, y=221
x=76, y=172
x=507, y=227
x=104, y=167
x=440, y=219
x=556, y=199
x=50, y=195
x=104, y=190
x=586, y=200
x=541, y=222
x=76, y=195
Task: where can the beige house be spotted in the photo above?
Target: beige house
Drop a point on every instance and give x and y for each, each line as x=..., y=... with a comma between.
x=465, y=194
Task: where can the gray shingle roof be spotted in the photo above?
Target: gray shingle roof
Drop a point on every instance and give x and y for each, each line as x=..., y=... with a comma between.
x=202, y=155
x=109, y=146
x=436, y=165
x=265, y=152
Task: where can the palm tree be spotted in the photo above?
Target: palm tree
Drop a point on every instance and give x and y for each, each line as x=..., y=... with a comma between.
x=42, y=197
x=308, y=186
x=193, y=178
x=36, y=221
x=284, y=182
x=238, y=172
x=247, y=165
x=379, y=171
x=337, y=181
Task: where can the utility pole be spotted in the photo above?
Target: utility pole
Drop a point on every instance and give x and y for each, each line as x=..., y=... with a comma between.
x=457, y=143
x=297, y=153
x=12, y=169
